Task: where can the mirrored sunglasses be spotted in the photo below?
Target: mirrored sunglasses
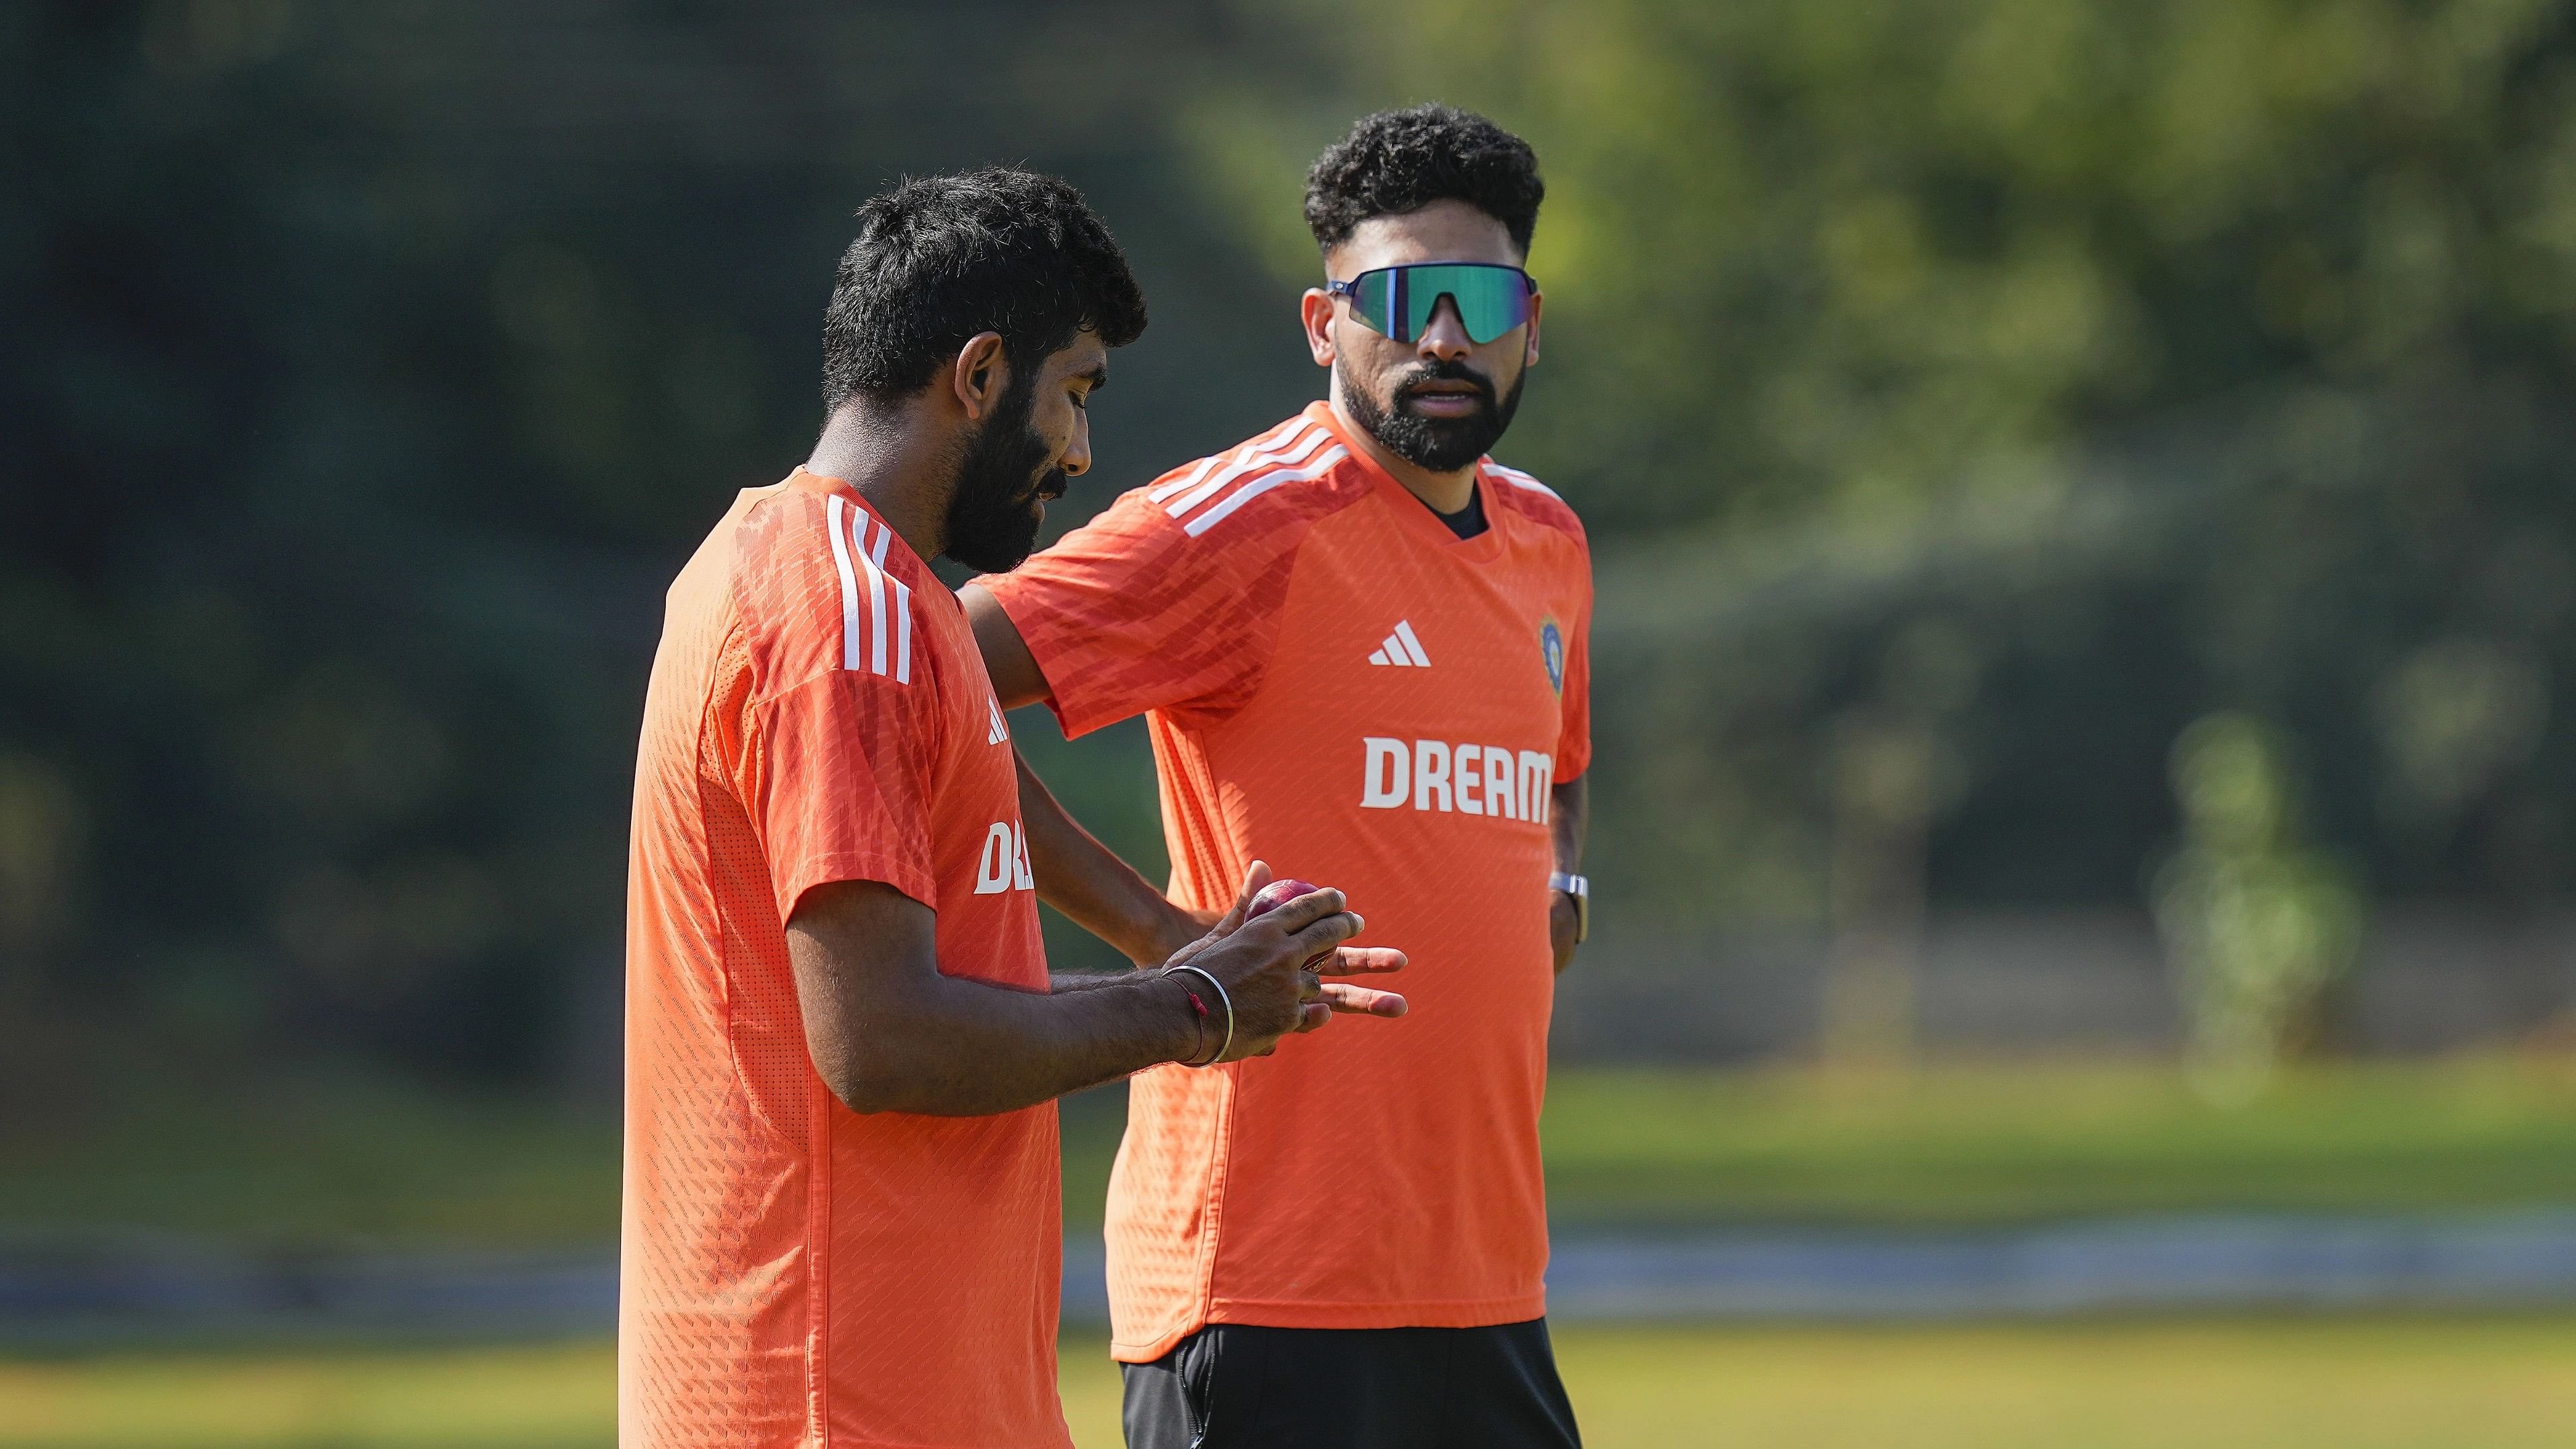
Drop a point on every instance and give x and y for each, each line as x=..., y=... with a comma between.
x=1399, y=301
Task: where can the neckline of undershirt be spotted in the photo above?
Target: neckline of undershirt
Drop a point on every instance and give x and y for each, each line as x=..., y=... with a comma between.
x=1469, y=521
x=1412, y=514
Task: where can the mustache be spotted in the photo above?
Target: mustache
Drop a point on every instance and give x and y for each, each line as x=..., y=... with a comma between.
x=1051, y=487
x=1412, y=380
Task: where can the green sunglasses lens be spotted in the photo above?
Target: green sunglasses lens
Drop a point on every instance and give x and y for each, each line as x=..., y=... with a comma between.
x=1399, y=301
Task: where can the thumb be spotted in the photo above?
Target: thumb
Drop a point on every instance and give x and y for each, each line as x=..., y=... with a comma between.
x=1253, y=880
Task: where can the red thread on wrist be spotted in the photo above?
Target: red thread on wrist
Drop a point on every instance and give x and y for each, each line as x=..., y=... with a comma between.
x=1201, y=1008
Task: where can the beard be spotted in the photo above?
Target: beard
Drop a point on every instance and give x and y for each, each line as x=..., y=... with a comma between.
x=1438, y=445
x=1003, y=487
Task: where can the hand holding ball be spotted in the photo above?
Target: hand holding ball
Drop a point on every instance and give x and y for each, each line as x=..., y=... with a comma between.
x=1279, y=893
x=1276, y=894
x=1247, y=964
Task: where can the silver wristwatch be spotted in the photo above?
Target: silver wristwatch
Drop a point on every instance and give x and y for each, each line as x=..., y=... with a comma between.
x=1579, y=887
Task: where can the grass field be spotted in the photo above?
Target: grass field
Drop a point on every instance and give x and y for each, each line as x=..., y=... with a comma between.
x=2402, y=1384
x=364, y=1162
x=1966, y=1145
x=360, y=1161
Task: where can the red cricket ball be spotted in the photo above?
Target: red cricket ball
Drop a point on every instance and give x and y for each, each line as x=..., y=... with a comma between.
x=1276, y=894
x=1279, y=893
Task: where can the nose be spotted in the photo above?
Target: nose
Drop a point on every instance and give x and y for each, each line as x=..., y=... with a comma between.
x=1445, y=338
x=1077, y=450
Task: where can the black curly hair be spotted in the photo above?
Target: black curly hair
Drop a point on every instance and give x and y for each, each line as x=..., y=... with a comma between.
x=1399, y=161
x=941, y=258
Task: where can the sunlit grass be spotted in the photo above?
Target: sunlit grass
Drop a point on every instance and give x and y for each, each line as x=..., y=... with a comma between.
x=1998, y=1144
x=491, y=1398
x=365, y=1162
x=357, y=1159
x=1969, y=1145
x=2279, y=1384
x=2293, y=1385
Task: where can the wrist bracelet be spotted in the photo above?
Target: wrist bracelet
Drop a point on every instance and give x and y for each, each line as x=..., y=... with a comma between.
x=1222, y=1000
x=1199, y=1006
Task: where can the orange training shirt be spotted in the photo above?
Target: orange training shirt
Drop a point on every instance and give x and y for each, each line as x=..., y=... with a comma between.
x=793, y=1273
x=1337, y=684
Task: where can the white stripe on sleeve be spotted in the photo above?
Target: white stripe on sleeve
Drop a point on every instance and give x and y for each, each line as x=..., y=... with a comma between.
x=1520, y=479
x=876, y=600
x=1259, y=486
x=1189, y=480
x=849, y=587
x=1281, y=458
x=903, y=632
x=1240, y=452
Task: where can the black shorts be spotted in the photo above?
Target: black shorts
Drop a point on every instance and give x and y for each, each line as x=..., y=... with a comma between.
x=1242, y=1386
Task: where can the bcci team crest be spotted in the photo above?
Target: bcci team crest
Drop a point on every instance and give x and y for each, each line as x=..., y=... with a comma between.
x=1551, y=648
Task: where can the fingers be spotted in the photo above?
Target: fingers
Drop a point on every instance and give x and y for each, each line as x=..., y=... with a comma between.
x=1346, y=1001
x=1362, y=961
x=1309, y=908
x=1277, y=980
x=1314, y=944
x=1217, y=927
x=1253, y=880
x=1331, y=998
x=1362, y=1000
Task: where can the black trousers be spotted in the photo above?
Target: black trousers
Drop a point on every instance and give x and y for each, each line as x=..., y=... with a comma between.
x=1241, y=1386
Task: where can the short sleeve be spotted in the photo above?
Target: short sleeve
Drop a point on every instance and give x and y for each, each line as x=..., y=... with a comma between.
x=1574, y=707
x=837, y=778
x=1130, y=613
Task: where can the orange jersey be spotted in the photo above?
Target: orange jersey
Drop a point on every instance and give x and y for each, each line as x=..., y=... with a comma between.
x=1337, y=684
x=794, y=1273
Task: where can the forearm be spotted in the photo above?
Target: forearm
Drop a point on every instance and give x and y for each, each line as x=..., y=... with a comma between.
x=891, y=1032
x=964, y=1048
x=1087, y=881
x=1569, y=807
x=1569, y=812
x=1061, y=982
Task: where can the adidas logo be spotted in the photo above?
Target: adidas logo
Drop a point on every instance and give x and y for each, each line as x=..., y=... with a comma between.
x=997, y=732
x=1401, y=649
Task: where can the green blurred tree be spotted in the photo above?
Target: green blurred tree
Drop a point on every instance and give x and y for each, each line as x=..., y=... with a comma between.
x=2180, y=353
x=2257, y=924
x=367, y=369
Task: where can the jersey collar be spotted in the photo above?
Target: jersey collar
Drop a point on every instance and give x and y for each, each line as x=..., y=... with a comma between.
x=1412, y=514
x=824, y=483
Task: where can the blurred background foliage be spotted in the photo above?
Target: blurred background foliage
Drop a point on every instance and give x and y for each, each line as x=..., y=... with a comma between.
x=1965, y=397
x=2033, y=377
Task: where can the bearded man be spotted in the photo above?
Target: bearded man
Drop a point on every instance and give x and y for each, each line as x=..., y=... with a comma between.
x=842, y=1204
x=1361, y=648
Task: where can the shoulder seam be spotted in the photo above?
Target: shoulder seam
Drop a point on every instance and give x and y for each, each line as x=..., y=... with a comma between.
x=1554, y=513
x=1520, y=479
x=1254, y=487
x=1277, y=440
x=858, y=557
x=1284, y=446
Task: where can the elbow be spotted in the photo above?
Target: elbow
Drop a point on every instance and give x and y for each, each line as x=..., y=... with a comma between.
x=868, y=1088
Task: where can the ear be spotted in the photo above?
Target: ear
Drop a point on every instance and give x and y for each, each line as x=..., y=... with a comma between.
x=1529, y=355
x=1316, y=310
x=980, y=375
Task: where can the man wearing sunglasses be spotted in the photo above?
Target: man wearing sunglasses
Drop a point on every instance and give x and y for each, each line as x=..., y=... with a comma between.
x=1361, y=648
